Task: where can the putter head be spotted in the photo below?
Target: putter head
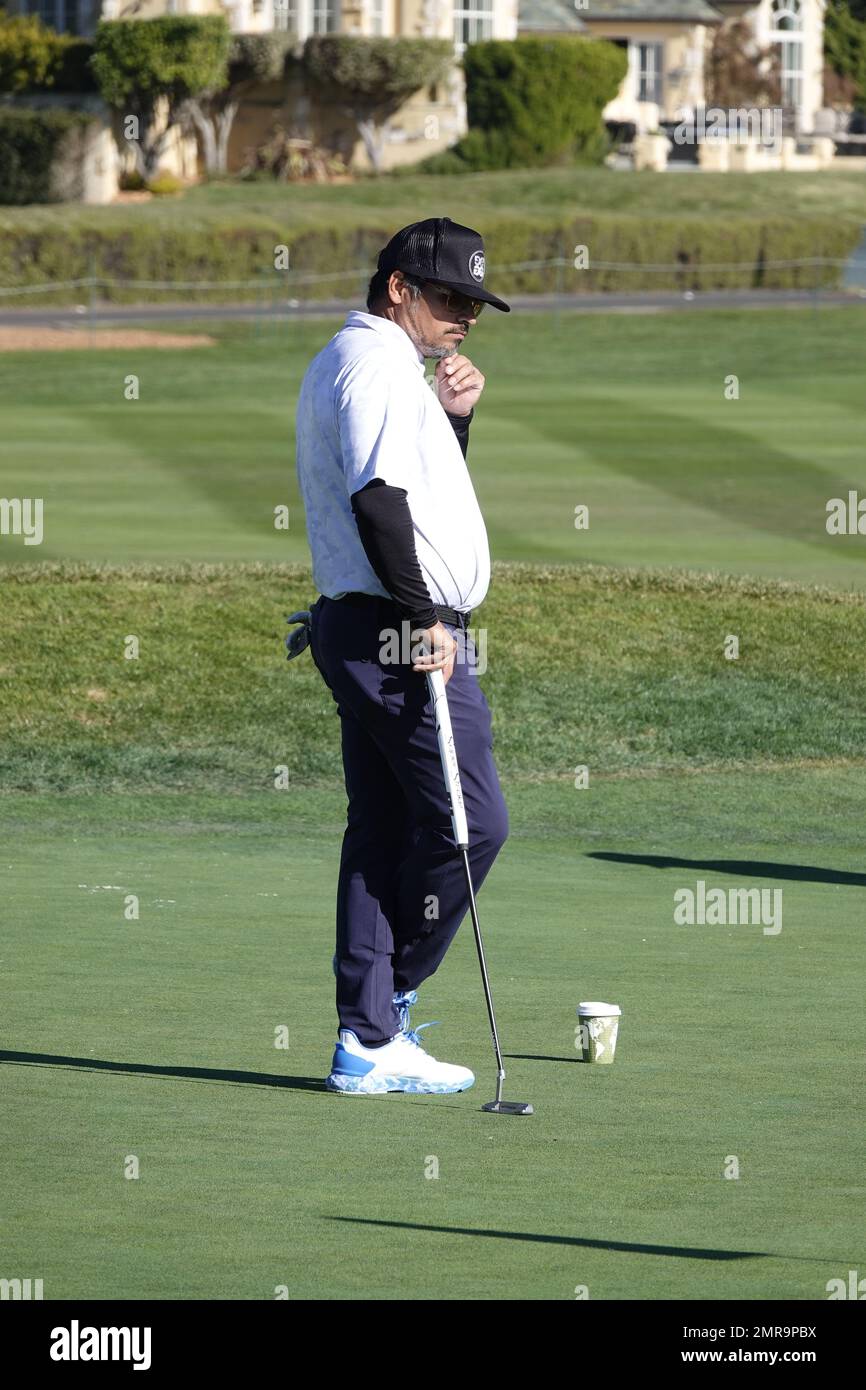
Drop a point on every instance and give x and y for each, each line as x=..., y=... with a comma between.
x=509, y=1107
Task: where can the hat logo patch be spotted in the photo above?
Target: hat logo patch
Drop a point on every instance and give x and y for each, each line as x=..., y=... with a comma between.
x=476, y=265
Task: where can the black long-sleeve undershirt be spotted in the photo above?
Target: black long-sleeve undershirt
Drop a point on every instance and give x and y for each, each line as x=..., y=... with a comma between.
x=388, y=536
x=460, y=425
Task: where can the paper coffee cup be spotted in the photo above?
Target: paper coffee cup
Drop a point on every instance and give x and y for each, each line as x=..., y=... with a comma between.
x=599, y=1024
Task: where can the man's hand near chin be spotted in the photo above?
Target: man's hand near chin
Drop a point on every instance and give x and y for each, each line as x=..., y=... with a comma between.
x=458, y=384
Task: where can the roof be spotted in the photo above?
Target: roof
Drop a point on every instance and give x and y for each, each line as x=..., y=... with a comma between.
x=548, y=17
x=557, y=16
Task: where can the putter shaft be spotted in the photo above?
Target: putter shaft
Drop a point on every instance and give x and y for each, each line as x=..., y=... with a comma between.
x=500, y=1079
x=451, y=772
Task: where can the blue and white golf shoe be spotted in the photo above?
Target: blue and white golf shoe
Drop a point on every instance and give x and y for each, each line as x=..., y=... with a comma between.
x=399, y=1065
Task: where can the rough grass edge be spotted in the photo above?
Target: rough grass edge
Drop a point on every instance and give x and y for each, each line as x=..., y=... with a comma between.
x=588, y=576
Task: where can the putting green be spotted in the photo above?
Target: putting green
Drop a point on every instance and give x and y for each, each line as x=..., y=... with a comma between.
x=153, y=1039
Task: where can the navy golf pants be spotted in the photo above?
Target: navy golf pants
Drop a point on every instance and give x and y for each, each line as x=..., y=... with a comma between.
x=401, y=894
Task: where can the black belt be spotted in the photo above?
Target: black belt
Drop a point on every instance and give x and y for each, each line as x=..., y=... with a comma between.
x=443, y=613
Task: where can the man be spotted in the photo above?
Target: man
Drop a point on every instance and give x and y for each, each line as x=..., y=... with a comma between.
x=400, y=559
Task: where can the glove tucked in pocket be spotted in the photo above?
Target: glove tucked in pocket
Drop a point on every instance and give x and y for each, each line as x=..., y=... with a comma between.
x=298, y=640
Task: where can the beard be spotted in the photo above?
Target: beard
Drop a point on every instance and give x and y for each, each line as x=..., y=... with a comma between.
x=428, y=349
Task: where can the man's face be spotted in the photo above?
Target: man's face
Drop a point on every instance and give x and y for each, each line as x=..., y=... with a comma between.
x=436, y=327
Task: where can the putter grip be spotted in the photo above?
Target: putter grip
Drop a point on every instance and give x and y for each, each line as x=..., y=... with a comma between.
x=448, y=755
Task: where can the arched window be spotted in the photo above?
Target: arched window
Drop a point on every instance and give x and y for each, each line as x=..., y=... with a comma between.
x=786, y=15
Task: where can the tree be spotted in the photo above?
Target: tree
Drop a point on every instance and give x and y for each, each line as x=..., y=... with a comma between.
x=739, y=73
x=845, y=54
x=252, y=58
x=372, y=78
x=29, y=53
x=150, y=69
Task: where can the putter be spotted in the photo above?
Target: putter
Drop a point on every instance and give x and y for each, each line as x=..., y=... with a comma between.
x=451, y=770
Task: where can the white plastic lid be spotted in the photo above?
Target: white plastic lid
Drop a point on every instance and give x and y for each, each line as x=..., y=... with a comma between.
x=596, y=1010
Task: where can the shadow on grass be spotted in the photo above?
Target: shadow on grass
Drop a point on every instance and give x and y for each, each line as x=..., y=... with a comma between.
x=751, y=868
x=238, y=1078
x=241, y=1078
x=538, y=1057
x=683, y=1252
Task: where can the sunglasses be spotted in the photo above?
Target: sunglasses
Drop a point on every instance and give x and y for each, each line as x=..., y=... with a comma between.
x=456, y=302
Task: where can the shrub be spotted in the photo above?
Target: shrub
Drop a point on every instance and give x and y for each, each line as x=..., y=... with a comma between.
x=534, y=102
x=34, y=58
x=29, y=143
x=845, y=54
x=29, y=52
x=164, y=185
x=132, y=182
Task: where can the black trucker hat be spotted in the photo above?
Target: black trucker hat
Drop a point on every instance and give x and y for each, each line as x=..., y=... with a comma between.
x=441, y=250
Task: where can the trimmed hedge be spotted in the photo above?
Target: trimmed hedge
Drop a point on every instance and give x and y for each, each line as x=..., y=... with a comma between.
x=165, y=252
x=29, y=142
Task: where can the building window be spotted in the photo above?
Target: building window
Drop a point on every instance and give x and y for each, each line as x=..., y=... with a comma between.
x=473, y=21
x=650, y=60
x=61, y=15
x=326, y=16
x=786, y=19
x=305, y=17
x=786, y=14
x=286, y=16
x=49, y=11
x=377, y=18
x=792, y=74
